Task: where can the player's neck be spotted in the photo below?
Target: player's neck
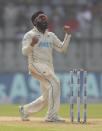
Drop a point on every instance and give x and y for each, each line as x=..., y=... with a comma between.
x=41, y=31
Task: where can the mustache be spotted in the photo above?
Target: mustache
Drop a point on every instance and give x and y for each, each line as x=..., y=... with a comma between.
x=42, y=26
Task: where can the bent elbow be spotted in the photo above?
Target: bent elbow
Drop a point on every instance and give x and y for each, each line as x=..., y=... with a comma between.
x=63, y=51
x=24, y=52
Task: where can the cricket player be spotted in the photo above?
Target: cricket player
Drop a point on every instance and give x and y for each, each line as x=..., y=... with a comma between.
x=38, y=44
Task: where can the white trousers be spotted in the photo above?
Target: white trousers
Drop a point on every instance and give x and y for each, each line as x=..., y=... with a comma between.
x=50, y=87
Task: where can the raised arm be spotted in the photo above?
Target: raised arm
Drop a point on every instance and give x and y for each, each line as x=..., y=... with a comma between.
x=62, y=46
x=27, y=43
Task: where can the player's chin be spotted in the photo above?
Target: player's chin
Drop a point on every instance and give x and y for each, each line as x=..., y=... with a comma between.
x=45, y=24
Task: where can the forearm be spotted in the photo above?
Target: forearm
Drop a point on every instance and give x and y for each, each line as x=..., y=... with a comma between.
x=66, y=43
x=62, y=46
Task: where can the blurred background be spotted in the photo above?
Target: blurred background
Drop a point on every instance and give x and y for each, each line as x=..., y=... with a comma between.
x=85, y=50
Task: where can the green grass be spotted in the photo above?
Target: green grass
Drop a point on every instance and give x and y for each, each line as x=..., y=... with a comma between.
x=94, y=111
x=59, y=127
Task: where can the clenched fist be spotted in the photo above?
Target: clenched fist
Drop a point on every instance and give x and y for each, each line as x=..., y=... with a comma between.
x=34, y=41
x=67, y=29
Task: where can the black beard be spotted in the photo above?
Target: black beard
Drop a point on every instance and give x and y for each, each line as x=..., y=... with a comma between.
x=42, y=26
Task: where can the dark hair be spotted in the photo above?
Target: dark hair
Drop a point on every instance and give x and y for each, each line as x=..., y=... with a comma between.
x=36, y=15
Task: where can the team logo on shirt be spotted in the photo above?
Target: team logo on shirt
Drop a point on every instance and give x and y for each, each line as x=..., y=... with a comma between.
x=38, y=36
x=44, y=44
